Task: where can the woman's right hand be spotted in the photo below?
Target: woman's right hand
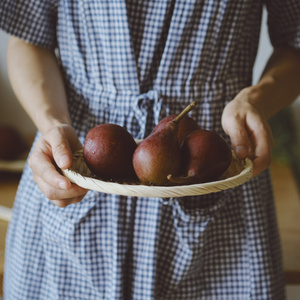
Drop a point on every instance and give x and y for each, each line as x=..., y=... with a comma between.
x=52, y=152
x=37, y=81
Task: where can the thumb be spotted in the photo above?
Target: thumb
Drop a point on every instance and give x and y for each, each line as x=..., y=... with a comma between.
x=61, y=150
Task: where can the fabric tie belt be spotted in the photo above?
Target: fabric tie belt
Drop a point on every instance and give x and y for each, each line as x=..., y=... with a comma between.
x=145, y=107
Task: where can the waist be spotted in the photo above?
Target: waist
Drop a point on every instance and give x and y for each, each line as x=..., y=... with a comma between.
x=110, y=96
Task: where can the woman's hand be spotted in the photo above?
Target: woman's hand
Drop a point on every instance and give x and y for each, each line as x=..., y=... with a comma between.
x=245, y=122
x=54, y=150
x=245, y=117
x=38, y=83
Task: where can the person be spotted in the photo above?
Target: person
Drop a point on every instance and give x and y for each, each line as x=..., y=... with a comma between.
x=76, y=64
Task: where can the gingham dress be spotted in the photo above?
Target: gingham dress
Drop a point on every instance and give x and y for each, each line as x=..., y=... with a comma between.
x=132, y=63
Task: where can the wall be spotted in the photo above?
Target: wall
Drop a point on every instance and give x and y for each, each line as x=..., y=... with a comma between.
x=10, y=110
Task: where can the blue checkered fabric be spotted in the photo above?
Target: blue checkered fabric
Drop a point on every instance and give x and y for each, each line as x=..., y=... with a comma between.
x=132, y=63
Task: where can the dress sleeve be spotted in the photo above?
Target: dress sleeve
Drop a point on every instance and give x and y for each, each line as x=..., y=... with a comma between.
x=31, y=20
x=284, y=22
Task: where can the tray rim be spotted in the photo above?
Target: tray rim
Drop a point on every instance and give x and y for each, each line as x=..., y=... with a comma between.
x=139, y=190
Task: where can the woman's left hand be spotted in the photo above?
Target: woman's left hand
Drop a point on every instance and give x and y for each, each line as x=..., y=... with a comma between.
x=245, y=122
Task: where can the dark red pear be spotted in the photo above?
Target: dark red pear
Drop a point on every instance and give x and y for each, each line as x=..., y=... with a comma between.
x=205, y=157
x=108, y=151
x=185, y=127
x=12, y=143
x=159, y=154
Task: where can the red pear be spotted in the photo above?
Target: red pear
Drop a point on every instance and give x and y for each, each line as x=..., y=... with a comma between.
x=159, y=154
x=185, y=127
x=205, y=157
x=108, y=151
x=12, y=143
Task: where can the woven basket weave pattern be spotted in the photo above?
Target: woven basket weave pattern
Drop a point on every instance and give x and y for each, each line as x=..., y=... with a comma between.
x=239, y=172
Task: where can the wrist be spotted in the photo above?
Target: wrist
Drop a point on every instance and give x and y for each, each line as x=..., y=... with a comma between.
x=261, y=97
x=46, y=123
x=250, y=98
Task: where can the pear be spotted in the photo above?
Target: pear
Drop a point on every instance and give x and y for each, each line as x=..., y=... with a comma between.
x=205, y=157
x=12, y=144
x=108, y=151
x=185, y=127
x=159, y=154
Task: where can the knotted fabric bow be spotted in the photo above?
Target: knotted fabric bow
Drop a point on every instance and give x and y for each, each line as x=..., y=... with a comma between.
x=147, y=106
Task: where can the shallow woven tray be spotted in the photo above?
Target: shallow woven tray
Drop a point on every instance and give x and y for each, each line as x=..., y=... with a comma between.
x=239, y=172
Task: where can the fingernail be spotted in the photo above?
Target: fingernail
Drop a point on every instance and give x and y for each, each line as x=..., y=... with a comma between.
x=241, y=151
x=62, y=185
x=63, y=161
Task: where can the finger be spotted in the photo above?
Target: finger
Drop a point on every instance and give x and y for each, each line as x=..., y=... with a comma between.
x=44, y=170
x=61, y=150
x=235, y=128
x=262, y=142
x=52, y=193
x=66, y=202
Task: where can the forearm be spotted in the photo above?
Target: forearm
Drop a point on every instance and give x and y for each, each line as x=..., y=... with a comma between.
x=245, y=118
x=279, y=84
x=36, y=79
x=37, y=83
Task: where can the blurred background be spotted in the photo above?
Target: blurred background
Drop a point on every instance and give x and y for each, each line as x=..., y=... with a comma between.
x=10, y=110
x=285, y=167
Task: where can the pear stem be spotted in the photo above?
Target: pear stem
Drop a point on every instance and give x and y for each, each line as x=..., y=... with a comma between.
x=182, y=179
x=185, y=111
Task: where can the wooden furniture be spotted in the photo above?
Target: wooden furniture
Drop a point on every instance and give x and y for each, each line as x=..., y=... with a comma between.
x=287, y=197
x=3, y=228
x=287, y=206
x=8, y=187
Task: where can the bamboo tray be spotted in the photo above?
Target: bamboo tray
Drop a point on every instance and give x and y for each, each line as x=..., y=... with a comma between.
x=238, y=173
